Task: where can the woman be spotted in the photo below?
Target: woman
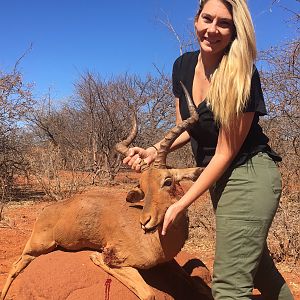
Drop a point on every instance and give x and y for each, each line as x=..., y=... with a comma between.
x=240, y=172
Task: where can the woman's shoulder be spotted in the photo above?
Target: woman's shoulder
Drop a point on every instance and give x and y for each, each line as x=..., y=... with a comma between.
x=255, y=71
x=187, y=57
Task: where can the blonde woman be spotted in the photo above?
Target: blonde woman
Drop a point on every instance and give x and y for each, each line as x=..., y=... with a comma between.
x=240, y=170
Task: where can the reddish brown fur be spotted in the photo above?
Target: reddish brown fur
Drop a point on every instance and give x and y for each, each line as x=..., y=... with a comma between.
x=113, y=228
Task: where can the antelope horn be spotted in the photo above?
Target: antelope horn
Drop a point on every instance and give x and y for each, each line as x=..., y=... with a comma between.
x=122, y=147
x=171, y=136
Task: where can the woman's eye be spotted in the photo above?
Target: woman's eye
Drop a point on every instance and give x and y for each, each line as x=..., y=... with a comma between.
x=225, y=23
x=206, y=19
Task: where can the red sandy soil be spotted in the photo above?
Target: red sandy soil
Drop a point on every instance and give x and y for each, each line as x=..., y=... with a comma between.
x=72, y=275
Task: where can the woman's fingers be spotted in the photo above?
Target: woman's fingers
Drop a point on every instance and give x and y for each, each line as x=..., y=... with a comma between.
x=137, y=157
x=171, y=214
x=136, y=164
x=130, y=159
x=166, y=224
x=131, y=153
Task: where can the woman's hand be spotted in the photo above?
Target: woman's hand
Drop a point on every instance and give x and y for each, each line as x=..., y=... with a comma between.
x=137, y=154
x=170, y=216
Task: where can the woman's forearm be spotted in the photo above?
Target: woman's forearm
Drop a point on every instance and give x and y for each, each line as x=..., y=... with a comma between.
x=229, y=144
x=214, y=170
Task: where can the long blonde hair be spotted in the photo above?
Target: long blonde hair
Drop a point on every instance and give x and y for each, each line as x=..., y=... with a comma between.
x=231, y=81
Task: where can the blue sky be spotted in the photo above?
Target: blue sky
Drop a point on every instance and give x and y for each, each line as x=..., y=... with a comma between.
x=109, y=37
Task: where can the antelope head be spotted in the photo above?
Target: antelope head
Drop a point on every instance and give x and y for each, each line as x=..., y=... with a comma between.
x=158, y=187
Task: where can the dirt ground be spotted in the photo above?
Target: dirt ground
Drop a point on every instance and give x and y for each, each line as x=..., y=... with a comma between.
x=72, y=275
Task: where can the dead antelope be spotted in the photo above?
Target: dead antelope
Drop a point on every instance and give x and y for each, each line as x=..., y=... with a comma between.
x=114, y=228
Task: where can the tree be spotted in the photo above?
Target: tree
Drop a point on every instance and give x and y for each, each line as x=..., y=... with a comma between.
x=15, y=103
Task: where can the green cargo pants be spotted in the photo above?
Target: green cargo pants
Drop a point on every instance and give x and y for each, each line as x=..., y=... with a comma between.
x=245, y=200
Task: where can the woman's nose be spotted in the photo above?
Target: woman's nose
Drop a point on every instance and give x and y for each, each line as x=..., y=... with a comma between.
x=212, y=28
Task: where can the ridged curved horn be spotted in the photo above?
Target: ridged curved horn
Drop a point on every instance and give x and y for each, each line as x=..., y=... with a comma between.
x=122, y=147
x=171, y=136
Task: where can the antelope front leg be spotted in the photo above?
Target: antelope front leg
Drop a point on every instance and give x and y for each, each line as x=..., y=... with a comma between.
x=129, y=276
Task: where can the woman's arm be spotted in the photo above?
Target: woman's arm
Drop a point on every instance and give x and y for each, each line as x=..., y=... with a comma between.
x=229, y=144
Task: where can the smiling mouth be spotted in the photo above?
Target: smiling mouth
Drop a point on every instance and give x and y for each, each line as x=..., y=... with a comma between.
x=211, y=42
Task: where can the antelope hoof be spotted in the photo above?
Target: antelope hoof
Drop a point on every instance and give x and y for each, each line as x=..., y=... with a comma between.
x=97, y=258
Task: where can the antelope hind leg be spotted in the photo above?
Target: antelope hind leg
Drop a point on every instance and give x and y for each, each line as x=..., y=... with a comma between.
x=35, y=246
x=17, y=267
x=129, y=276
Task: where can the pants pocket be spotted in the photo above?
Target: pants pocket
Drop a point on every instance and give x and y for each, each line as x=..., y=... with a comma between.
x=275, y=179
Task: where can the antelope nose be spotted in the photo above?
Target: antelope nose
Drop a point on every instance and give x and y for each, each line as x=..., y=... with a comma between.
x=145, y=218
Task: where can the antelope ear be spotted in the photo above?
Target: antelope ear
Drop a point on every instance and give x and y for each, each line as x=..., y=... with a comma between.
x=189, y=174
x=135, y=195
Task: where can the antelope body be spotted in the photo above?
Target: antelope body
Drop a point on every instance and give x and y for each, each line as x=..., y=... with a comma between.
x=113, y=228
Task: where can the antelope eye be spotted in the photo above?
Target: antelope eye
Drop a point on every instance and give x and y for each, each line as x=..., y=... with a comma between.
x=168, y=182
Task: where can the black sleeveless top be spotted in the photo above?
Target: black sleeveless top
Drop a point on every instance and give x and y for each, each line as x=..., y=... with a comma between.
x=204, y=134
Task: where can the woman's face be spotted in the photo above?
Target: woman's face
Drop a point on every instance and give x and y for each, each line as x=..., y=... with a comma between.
x=214, y=27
